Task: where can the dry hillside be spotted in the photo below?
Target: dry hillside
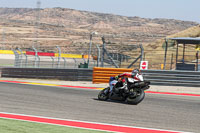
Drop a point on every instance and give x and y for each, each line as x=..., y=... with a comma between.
x=73, y=26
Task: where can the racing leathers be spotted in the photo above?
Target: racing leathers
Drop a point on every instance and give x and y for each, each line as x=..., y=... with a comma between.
x=124, y=82
x=135, y=75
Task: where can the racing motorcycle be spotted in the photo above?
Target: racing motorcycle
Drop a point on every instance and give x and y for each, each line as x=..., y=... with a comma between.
x=134, y=93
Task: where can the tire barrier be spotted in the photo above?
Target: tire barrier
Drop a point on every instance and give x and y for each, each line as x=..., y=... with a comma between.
x=102, y=75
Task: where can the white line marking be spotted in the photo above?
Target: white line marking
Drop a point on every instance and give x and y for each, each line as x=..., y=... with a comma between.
x=93, y=122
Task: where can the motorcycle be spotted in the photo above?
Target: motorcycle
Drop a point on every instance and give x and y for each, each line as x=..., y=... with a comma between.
x=133, y=95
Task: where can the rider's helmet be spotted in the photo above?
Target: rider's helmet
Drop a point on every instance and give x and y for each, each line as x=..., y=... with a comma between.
x=134, y=72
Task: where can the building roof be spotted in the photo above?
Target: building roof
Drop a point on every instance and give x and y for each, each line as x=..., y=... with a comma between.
x=186, y=40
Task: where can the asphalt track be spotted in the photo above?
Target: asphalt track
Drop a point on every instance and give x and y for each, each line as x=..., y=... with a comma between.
x=168, y=112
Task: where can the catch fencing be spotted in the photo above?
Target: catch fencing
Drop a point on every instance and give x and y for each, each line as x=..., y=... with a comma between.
x=72, y=56
x=31, y=59
x=35, y=58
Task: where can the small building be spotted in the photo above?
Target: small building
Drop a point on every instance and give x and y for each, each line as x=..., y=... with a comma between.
x=181, y=64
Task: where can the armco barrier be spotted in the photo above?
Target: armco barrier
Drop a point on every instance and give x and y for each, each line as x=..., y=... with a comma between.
x=0, y=71
x=102, y=75
x=48, y=73
x=173, y=78
x=157, y=77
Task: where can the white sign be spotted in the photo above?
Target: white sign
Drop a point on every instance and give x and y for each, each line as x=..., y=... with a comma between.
x=144, y=65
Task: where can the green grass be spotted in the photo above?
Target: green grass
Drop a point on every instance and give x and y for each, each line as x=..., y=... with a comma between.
x=17, y=126
x=6, y=65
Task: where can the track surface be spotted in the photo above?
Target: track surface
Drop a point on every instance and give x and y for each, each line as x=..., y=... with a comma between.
x=156, y=111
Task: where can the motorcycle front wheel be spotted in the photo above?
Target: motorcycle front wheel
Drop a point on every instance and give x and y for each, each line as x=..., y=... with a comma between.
x=136, y=99
x=104, y=94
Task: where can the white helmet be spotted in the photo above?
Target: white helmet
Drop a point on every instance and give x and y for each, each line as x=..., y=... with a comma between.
x=135, y=71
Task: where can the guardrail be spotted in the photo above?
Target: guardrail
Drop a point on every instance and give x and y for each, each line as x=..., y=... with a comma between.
x=102, y=75
x=0, y=71
x=48, y=73
x=157, y=77
x=173, y=78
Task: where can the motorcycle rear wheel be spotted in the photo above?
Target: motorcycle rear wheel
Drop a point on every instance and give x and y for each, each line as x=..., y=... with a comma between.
x=102, y=95
x=136, y=100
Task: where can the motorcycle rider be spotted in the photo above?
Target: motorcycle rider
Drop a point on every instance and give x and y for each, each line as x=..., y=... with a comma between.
x=123, y=82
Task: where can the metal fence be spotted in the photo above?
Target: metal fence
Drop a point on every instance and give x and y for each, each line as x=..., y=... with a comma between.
x=106, y=54
x=35, y=58
x=54, y=57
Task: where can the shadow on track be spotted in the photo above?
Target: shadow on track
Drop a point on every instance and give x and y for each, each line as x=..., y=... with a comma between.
x=112, y=101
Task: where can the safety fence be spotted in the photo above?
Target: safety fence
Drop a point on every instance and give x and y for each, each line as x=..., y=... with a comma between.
x=34, y=58
x=29, y=59
x=78, y=55
x=157, y=77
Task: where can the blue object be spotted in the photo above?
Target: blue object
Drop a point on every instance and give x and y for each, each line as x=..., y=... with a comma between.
x=112, y=78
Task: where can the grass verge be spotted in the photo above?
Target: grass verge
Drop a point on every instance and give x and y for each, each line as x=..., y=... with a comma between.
x=17, y=126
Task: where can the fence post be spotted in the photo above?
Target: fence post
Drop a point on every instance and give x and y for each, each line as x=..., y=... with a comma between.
x=99, y=55
x=36, y=57
x=197, y=62
x=26, y=60
x=52, y=61
x=103, y=51
x=75, y=62
x=165, y=53
x=90, y=46
x=172, y=56
x=64, y=61
x=118, y=57
x=120, y=60
x=16, y=58
x=59, y=55
x=20, y=57
x=142, y=54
